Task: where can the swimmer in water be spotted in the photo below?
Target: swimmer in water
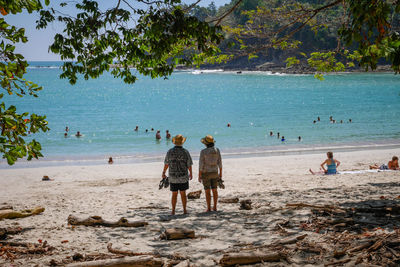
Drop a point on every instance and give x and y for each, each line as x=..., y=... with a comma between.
x=283, y=139
x=158, y=135
x=168, y=135
x=137, y=128
x=78, y=134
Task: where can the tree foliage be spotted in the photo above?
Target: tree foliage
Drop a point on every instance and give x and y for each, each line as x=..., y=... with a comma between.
x=150, y=40
x=15, y=127
x=328, y=35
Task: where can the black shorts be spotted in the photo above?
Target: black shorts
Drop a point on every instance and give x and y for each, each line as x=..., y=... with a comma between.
x=179, y=187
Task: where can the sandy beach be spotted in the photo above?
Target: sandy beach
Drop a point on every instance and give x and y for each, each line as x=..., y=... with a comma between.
x=131, y=191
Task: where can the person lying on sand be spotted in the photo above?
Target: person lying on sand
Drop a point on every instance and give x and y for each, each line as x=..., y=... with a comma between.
x=179, y=162
x=209, y=163
x=332, y=165
x=392, y=165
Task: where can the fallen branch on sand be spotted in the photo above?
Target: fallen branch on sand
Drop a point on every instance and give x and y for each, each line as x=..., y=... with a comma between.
x=127, y=261
x=12, y=214
x=98, y=221
x=229, y=200
x=11, y=248
x=177, y=233
x=9, y=231
x=250, y=258
x=126, y=252
x=194, y=195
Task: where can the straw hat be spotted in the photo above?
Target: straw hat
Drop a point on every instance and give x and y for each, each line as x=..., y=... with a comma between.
x=178, y=140
x=208, y=140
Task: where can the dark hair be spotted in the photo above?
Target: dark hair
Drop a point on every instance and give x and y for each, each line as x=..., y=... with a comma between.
x=395, y=158
x=330, y=155
x=210, y=145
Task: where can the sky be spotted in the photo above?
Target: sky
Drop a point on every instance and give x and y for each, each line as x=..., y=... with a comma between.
x=36, y=49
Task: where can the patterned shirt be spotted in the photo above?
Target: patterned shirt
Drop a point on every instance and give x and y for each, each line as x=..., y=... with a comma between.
x=178, y=160
x=210, y=160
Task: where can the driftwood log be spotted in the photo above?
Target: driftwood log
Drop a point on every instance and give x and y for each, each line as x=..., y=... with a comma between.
x=245, y=204
x=139, y=261
x=98, y=221
x=194, y=195
x=231, y=259
x=177, y=233
x=229, y=200
x=126, y=252
x=13, y=214
x=291, y=240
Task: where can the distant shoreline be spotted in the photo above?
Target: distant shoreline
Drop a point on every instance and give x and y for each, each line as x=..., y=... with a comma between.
x=89, y=160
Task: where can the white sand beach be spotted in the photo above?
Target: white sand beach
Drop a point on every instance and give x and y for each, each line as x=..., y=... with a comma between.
x=131, y=191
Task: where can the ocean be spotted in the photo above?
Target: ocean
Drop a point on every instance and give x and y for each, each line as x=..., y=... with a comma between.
x=196, y=103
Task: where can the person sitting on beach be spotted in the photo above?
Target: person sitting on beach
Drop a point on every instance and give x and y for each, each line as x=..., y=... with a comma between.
x=209, y=163
x=78, y=134
x=158, y=135
x=167, y=135
x=179, y=162
x=392, y=165
x=331, y=163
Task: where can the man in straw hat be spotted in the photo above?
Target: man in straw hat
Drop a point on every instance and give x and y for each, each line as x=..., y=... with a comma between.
x=209, y=163
x=179, y=161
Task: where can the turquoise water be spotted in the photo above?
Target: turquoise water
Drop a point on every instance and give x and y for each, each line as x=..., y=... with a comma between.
x=194, y=104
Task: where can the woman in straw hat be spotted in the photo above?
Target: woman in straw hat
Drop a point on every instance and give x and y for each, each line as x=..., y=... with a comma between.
x=209, y=164
x=179, y=162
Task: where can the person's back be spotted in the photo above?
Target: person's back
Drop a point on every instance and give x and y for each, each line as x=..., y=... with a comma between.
x=210, y=160
x=178, y=159
x=331, y=166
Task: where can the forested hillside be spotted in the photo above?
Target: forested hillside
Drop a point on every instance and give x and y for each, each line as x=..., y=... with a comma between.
x=263, y=34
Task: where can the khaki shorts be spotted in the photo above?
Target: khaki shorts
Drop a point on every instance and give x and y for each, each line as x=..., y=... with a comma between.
x=210, y=180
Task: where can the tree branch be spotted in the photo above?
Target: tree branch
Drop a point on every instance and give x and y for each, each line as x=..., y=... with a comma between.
x=219, y=20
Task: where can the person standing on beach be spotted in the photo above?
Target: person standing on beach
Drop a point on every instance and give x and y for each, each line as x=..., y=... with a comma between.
x=179, y=162
x=209, y=163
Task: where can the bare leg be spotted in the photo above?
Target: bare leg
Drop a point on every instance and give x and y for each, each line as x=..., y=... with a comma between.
x=312, y=172
x=208, y=199
x=184, y=200
x=173, y=201
x=215, y=198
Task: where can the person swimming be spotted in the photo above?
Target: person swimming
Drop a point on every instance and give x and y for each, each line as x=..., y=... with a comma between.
x=137, y=128
x=318, y=119
x=65, y=135
x=314, y=121
x=168, y=135
x=283, y=139
x=278, y=134
x=66, y=128
x=271, y=134
x=78, y=134
x=158, y=135
x=147, y=130
x=299, y=138
x=228, y=125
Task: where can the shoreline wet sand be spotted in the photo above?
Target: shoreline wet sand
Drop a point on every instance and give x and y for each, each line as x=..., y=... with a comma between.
x=131, y=191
